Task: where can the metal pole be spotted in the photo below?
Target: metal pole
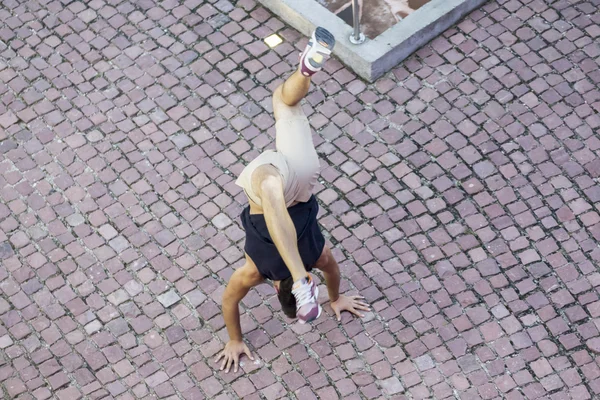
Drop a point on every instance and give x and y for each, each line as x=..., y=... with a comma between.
x=356, y=12
x=357, y=37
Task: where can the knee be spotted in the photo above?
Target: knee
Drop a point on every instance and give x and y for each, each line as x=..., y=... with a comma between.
x=278, y=95
x=279, y=106
x=285, y=100
x=278, y=92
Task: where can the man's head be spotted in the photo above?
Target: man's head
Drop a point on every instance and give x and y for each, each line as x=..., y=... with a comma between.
x=286, y=298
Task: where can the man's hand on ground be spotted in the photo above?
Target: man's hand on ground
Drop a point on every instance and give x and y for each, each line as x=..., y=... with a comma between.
x=231, y=355
x=349, y=303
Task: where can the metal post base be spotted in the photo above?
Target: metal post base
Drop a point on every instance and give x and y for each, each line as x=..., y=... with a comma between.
x=361, y=38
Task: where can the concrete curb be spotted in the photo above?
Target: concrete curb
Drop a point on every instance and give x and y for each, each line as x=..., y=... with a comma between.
x=374, y=58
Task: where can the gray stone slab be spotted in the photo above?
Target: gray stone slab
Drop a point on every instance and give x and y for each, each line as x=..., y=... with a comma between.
x=373, y=58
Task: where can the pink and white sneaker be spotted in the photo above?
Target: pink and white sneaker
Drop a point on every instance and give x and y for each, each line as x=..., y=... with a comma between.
x=307, y=307
x=317, y=51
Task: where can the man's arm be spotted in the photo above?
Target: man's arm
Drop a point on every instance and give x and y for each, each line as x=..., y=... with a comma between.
x=239, y=284
x=331, y=272
x=237, y=288
x=269, y=186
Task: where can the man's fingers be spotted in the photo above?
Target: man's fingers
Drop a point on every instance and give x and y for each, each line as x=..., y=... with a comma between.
x=355, y=312
x=247, y=351
x=219, y=356
x=235, y=363
x=229, y=360
x=337, y=314
x=362, y=307
x=358, y=297
x=224, y=363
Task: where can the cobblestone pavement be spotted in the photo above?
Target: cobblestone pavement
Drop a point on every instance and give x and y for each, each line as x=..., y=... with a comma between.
x=460, y=193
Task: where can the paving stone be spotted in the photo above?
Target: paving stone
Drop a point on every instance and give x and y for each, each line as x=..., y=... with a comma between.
x=169, y=298
x=392, y=386
x=8, y=119
x=6, y=250
x=594, y=344
x=14, y=387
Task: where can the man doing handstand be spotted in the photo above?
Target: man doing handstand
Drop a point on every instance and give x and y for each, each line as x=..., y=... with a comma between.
x=283, y=239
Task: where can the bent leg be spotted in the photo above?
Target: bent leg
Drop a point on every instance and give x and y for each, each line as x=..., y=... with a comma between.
x=294, y=141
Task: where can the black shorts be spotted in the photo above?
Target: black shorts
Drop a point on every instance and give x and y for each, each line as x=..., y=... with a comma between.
x=263, y=252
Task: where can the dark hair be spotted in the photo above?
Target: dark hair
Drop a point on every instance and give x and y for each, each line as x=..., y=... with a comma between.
x=286, y=298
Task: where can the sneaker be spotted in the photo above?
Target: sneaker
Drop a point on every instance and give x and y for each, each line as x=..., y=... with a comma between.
x=307, y=307
x=317, y=51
